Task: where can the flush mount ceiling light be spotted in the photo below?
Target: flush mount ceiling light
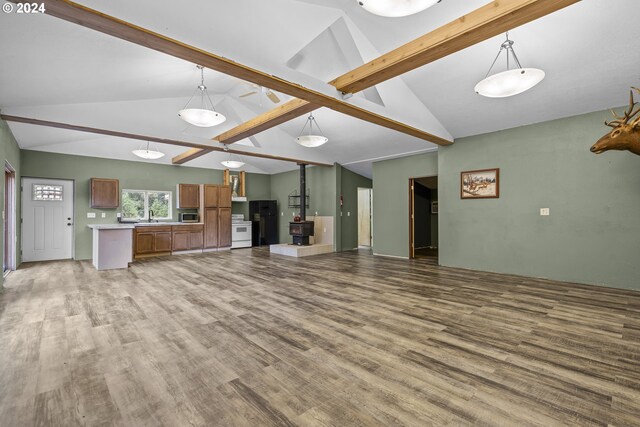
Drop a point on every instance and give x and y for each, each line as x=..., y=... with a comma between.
x=147, y=153
x=230, y=163
x=512, y=81
x=396, y=8
x=311, y=140
x=204, y=115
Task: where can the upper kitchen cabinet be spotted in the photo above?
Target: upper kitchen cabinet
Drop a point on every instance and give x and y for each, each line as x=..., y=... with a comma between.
x=188, y=196
x=105, y=193
x=224, y=200
x=211, y=195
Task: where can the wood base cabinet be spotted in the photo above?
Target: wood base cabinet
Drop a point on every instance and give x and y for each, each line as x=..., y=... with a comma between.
x=151, y=241
x=187, y=237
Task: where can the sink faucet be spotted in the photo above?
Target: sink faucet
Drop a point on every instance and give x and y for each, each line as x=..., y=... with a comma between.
x=150, y=214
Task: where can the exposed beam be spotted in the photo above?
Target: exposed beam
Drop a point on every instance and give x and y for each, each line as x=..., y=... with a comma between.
x=90, y=18
x=481, y=24
x=126, y=135
x=472, y=28
x=281, y=114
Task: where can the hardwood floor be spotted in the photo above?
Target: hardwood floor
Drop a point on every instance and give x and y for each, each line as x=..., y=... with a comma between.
x=243, y=338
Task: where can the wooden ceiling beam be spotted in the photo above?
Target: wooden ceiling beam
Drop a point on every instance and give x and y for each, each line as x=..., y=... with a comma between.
x=472, y=28
x=488, y=21
x=90, y=18
x=281, y=114
x=118, y=134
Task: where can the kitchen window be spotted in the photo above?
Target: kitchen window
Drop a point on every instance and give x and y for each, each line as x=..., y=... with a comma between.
x=136, y=204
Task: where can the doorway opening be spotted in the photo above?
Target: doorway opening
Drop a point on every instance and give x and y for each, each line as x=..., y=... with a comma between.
x=365, y=218
x=423, y=217
x=47, y=219
x=9, y=219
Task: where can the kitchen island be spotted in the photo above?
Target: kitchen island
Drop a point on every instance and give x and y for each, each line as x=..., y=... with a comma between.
x=112, y=245
x=116, y=245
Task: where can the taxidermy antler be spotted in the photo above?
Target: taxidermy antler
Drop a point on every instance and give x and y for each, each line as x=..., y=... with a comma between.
x=626, y=131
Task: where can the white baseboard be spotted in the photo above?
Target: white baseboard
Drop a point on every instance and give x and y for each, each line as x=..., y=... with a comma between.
x=391, y=256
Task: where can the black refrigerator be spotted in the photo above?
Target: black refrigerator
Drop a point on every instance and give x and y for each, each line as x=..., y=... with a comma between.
x=264, y=217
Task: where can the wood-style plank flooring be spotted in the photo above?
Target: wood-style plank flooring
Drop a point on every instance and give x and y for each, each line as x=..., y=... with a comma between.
x=243, y=338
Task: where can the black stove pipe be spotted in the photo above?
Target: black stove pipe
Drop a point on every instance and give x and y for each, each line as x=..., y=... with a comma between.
x=303, y=192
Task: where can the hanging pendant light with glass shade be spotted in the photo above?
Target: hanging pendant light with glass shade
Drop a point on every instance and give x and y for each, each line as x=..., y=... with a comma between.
x=310, y=139
x=396, y=8
x=147, y=153
x=512, y=81
x=205, y=115
x=230, y=163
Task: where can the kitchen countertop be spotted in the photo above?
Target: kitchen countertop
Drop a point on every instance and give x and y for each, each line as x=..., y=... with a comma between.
x=111, y=226
x=131, y=225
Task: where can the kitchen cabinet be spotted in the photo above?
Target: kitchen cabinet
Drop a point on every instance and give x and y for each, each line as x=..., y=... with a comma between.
x=217, y=196
x=151, y=241
x=211, y=228
x=224, y=197
x=224, y=227
x=188, y=196
x=187, y=237
x=105, y=193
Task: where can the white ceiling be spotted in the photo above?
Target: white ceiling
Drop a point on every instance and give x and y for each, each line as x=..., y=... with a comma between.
x=54, y=70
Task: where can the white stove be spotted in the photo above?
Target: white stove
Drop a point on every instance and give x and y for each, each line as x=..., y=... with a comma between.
x=240, y=232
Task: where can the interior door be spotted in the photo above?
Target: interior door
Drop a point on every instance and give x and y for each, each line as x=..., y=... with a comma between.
x=364, y=217
x=47, y=219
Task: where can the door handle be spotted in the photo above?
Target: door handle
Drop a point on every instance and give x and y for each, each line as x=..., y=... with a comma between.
x=69, y=223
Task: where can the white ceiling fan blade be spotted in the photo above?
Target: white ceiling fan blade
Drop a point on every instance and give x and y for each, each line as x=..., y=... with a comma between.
x=272, y=96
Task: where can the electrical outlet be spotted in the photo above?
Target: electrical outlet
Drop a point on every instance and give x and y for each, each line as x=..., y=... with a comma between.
x=91, y=214
x=316, y=213
x=544, y=211
x=348, y=213
x=119, y=215
x=281, y=213
x=104, y=215
x=324, y=229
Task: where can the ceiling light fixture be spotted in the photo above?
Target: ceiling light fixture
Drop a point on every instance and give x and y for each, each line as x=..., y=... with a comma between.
x=512, y=81
x=311, y=140
x=148, y=154
x=230, y=163
x=396, y=8
x=202, y=116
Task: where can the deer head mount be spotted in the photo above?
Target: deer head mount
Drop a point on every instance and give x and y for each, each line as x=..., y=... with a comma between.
x=626, y=131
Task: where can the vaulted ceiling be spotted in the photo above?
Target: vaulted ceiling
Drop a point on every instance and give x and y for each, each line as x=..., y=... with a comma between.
x=55, y=70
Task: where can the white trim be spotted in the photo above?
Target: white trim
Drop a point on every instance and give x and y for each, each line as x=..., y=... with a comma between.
x=391, y=256
x=12, y=222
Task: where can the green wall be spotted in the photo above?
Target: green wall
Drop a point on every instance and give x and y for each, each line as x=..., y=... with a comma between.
x=10, y=153
x=321, y=184
x=348, y=214
x=593, y=233
x=132, y=175
x=391, y=201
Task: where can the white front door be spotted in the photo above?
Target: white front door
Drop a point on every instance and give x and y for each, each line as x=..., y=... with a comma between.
x=47, y=219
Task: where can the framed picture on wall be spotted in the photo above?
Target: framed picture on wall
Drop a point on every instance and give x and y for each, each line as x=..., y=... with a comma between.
x=480, y=184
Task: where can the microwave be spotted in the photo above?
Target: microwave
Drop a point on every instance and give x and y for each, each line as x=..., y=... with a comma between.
x=188, y=217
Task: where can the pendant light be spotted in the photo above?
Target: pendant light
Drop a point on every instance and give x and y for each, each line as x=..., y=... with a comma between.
x=512, y=81
x=396, y=8
x=310, y=139
x=205, y=115
x=230, y=163
x=147, y=153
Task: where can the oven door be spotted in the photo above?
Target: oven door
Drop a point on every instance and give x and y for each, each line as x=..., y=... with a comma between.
x=240, y=232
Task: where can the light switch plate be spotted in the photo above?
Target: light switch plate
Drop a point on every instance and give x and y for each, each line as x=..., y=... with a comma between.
x=348, y=213
x=544, y=211
x=91, y=214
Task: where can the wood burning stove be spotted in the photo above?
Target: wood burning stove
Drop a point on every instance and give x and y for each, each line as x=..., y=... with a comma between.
x=301, y=232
